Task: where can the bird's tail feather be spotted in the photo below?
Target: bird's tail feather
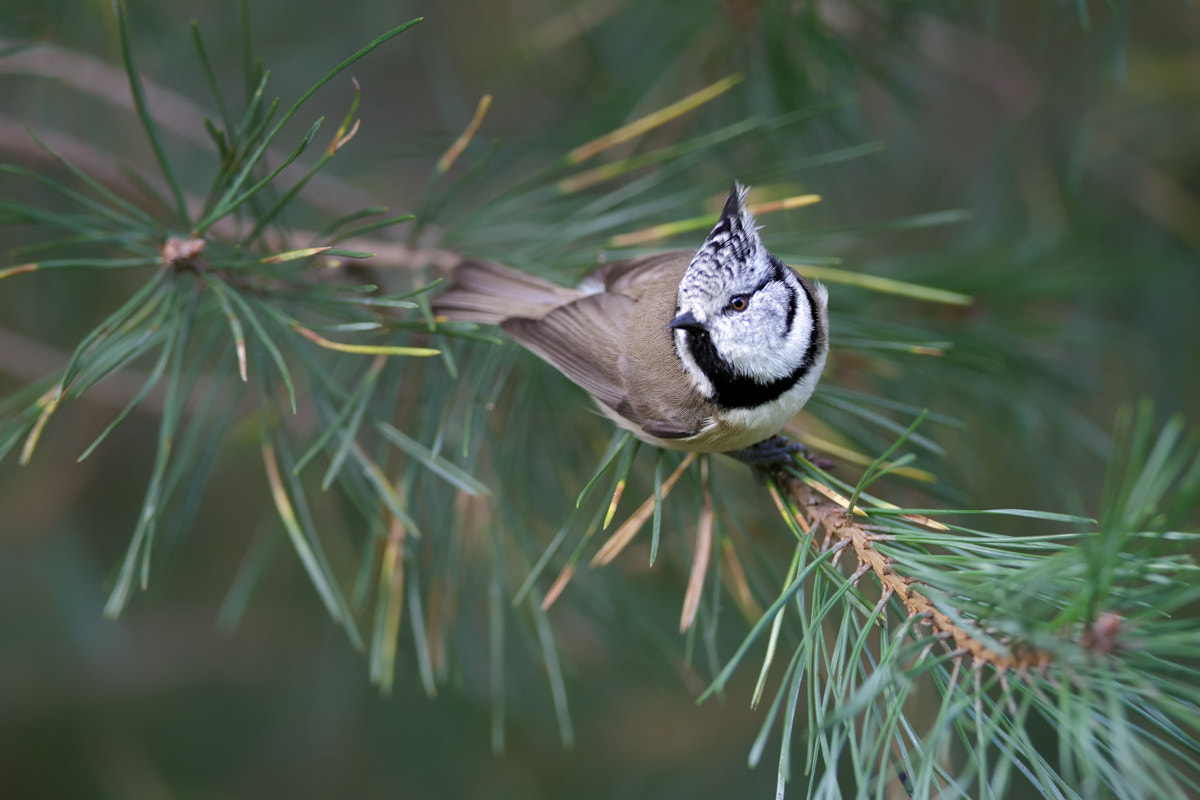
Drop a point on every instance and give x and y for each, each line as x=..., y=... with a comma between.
x=487, y=292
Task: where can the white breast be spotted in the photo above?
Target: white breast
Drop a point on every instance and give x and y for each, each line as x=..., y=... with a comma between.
x=742, y=427
x=736, y=428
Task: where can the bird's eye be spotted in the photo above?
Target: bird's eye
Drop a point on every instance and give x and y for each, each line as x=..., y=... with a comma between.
x=739, y=302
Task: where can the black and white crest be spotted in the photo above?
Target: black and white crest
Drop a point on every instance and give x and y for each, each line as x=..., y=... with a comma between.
x=734, y=238
x=732, y=250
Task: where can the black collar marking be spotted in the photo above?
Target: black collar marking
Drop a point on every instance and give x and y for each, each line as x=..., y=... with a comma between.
x=731, y=389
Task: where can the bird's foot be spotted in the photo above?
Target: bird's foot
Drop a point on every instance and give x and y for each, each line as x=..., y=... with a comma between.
x=776, y=450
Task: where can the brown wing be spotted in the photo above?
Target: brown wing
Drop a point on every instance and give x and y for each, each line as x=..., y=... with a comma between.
x=583, y=340
x=662, y=398
x=669, y=429
x=633, y=273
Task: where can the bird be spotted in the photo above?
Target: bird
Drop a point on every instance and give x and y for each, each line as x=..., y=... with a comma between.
x=711, y=351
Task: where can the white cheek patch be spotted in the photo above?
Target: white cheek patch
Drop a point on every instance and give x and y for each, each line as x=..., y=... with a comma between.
x=803, y=329
x=765, y=351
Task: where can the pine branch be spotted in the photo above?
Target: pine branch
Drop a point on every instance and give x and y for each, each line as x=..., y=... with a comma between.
x=824, y=507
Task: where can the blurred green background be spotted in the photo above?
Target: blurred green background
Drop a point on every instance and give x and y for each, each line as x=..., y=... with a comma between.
x=1065, y=134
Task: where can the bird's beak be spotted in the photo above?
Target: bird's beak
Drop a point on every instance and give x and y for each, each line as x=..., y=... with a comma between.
x=687, y=321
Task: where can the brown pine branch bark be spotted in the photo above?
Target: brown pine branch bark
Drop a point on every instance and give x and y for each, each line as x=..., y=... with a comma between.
x=844, y=528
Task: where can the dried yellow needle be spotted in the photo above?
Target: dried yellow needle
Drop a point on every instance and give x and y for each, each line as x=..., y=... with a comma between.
x=623, y=535
x=700, y=558
x=455, y=150
x=652, y=120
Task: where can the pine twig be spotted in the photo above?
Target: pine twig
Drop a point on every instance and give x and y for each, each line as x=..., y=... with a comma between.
x=841, y=526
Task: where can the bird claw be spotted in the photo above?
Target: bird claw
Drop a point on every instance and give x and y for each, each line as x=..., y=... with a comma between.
x=776, y=450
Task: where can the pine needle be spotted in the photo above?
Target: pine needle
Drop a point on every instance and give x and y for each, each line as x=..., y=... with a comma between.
x=623, y=535
x=700, y=556
x=653, y=120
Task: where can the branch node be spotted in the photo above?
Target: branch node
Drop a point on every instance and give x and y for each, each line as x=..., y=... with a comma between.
x=181, y=254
